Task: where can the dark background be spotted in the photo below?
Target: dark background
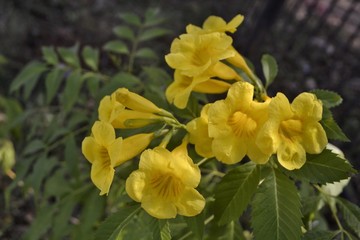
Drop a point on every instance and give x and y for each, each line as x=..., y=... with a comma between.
x=316, y=42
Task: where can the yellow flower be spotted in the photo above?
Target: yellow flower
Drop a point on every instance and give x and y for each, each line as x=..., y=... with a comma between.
x=199, y=134
x=292, y=130
x=216, y=24
x=114, y=112
x=165, y=183
x=234, y=124
x=105, y=152
x=194, y=54
x=179, y=91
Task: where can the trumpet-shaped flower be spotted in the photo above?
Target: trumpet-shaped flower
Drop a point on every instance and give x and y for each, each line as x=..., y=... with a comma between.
x=195, y=54
x=165, y=183
x=199, y=133
x=216, y=24
x=179, y=91
x=114, y=112
x=105, y=152
x=293, y=130
x=234, y=124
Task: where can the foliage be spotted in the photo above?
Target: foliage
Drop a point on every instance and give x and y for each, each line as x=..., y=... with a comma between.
x=53, y=103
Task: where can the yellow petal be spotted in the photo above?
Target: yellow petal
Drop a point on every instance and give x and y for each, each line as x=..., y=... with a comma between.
x=109, y=109
x=255, y=154
x=279, y=108
x=135, y=101
x=115, y=152
x=314, y=138
x=291, y=155
x=181, y=163
x=212, y=86
x=135, y=185
x=133, y=145
x=307, y=106
x=102, y=175
x=153, y=159
x=225, y=72
x=191, y=203
x=89, y=147
x=234, y=23
x=229, y=150
x=103, y=132
x=268, y=139
x=239, y=61
x=158, y=207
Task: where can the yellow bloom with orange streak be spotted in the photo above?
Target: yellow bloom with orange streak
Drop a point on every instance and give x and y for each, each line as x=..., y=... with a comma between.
x=105, y=152
x=234, y=124
x=165, y=183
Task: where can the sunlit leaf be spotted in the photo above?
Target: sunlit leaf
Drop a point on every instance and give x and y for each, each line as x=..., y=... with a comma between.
x=50, y=55
x=91, y=57
x=276, y=211
x=124, y=32
x=116, y=46
x=234, y=192
x=31, y=71
x=351, y=214
x=326, y=167
x=270, y=68
x=153, y=33
x=328, y=98
x=112, y=226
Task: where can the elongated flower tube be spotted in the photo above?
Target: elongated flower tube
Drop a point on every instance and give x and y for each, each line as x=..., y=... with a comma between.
x=234, y=124
x=216, y=24
x=293, y=129
x=105, y=152
x=165, y=183
x=199, y=133
x=113, y=112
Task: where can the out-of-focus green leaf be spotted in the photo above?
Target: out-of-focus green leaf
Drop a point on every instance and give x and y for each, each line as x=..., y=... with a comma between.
x=112, y=226
x=61, y=226
x=92, y=81
x=49, y=55
x=116, y=46
x=31, y=71
x=121, y=79
x=71, y=156
x=196, y=224
x=70, y=55
x=124, y=32
x=91, y=57
x=153, y=17
x=162, y=230
x=34, y=146
x=29, y=86
x=328, y=98
x=72, y=90
x=351, y=214
x=234, y=192
x=52, y=83
x=57, y=185
x=146, y=53
x=153, y=33
x=42, y=168
x=270, y=68
x=319, y=235
x=230, y=231
x=276, y=209
x=131, y=18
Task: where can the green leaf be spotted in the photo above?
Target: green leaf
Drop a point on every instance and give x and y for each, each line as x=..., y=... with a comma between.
x=121, y=79
x=332, y=129
x=328, y=98
x=146, y=53
x=124, y=32
x=112, y=226
x=131, y=18
x=61, y=226
x=91, y=57
x=52, y=83
x=153, y=33
x=319, y=235
x=234, y=192
x=230, y=231
x=72, y=90
x=162, y=230
x=326, y=167
x=70, y=55
x=42, y=167
x=196, y=224
x=270, y=68
x=34, y=146
x=31, y=71
x=152, y=17
x=71, y=156
x=351, y=214
x=276, y=211
x=116, y=46
x=50, y=55
x=29, y=86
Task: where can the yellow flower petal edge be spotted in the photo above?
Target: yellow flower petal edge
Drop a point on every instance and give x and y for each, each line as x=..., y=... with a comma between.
x=234, y=124
x=293, y=129
x=216, y=24
x=165, y=184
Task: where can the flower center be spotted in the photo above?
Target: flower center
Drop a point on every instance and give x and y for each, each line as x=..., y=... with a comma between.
x=167, y=186
x=242, y=125
x=290, y=129
x=104, y=156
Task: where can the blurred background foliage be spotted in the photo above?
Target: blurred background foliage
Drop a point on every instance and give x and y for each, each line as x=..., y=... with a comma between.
x=316, y=44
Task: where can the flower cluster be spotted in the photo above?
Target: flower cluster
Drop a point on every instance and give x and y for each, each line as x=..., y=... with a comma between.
x=246, y=123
